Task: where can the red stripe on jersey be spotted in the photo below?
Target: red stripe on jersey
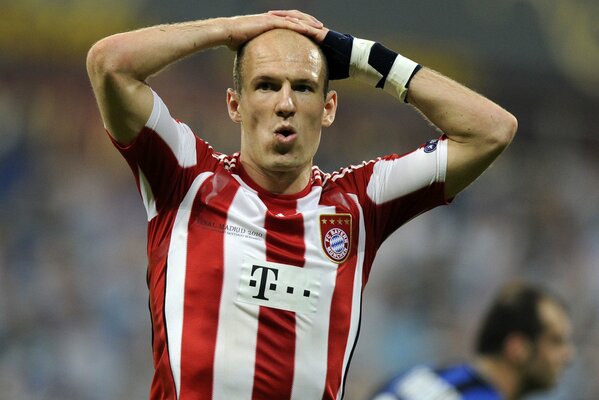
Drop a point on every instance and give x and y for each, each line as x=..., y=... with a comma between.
x=275, y=346
x=163, y=386
x=203, y=285
x=341, y=309
x=342, y=301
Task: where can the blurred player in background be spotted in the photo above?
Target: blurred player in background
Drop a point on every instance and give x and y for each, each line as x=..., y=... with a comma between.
x=258, y=260
x=523, y=345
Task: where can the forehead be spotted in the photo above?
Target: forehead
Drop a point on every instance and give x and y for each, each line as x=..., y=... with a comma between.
x=554, y=318
x=283, y=52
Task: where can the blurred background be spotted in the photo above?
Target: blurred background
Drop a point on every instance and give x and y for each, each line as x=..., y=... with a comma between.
x=74, y=321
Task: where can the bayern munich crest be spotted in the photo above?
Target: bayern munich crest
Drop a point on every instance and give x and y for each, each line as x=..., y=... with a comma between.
x=335, y=233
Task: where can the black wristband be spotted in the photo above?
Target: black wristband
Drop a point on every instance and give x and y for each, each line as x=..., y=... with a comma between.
x=337, y=49
x=381, y=59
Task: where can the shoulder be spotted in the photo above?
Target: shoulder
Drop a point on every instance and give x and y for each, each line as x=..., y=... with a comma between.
x=365, y=167
x=469, y=383
x=456, y=382
x=418, y=383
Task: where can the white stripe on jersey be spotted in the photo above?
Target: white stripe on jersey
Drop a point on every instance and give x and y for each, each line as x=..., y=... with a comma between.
x=237, y=322
x=147, y=195
x=312, y=329
x=395, y=178
x=356, y=307
x=178, y=136
x=175, y=279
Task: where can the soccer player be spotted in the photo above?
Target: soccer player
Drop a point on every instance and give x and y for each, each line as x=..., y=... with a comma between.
x=258, y=260
x=523, y=345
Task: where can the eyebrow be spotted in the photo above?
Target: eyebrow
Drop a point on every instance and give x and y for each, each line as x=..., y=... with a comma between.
x=270, y=78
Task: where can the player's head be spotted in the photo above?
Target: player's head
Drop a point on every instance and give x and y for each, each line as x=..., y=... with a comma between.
x=238, y=70
x=281, y=101
x=529, y=329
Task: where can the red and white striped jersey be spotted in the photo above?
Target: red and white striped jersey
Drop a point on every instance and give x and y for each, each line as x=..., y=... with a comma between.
x=255, y=295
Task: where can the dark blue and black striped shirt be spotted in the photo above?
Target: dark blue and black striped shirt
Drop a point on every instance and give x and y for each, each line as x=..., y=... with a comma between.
x=459, y=382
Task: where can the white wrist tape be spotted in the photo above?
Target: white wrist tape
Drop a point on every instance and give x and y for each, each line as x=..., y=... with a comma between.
x=397, y=81
x=358, y=64
x=366, y=54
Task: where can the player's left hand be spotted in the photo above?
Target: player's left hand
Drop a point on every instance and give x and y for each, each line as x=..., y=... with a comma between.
x=313, y=28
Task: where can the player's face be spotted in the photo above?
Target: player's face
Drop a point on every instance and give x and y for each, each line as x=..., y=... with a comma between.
x=282, y=107
x=551, y=352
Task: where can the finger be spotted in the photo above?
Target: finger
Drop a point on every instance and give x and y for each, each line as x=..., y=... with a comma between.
x=307, y=17
x=287, y=22
x=299, y=15
x=298, y=25
x=317, y=34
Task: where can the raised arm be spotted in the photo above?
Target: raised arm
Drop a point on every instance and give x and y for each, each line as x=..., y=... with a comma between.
x=119, y=65
x=478, y=130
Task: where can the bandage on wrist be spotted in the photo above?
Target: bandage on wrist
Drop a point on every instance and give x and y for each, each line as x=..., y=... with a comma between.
x=369, y=62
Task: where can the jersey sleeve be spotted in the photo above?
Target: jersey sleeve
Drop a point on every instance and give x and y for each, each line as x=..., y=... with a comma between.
x=394, y=189
x=164, y=159
x=403, y=187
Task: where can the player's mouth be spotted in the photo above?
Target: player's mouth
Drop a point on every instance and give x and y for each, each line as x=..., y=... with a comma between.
x=285, y=133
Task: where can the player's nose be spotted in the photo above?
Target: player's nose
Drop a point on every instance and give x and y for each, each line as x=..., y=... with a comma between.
x=285, y=106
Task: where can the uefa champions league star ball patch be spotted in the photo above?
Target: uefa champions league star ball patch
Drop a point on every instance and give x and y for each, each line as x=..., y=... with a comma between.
x=431, y=145
x=335, y=234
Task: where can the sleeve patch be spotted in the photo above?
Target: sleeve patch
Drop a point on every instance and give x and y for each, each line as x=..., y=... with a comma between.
x=431, y=145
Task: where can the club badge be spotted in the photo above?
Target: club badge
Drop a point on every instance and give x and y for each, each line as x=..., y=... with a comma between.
x=335, y=234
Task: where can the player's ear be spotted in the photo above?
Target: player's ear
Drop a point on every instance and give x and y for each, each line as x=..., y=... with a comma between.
x=233, y=105
x=330, y=109
x=518, y=348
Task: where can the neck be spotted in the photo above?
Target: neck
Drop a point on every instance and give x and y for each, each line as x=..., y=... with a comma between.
x=500, y=374
x=279, y=182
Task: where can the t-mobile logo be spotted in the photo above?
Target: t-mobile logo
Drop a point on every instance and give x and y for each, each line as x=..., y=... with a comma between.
x=263, y=272
x=279, y=286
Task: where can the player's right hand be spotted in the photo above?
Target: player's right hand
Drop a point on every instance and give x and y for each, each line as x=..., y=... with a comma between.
x=243, y=28
x=313, y=28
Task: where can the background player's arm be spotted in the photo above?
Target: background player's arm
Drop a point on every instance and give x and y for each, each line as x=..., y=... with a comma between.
x=119, y=65
x=478, y=130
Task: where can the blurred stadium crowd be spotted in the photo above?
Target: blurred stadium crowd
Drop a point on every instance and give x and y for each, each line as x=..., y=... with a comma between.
x=73, y=302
